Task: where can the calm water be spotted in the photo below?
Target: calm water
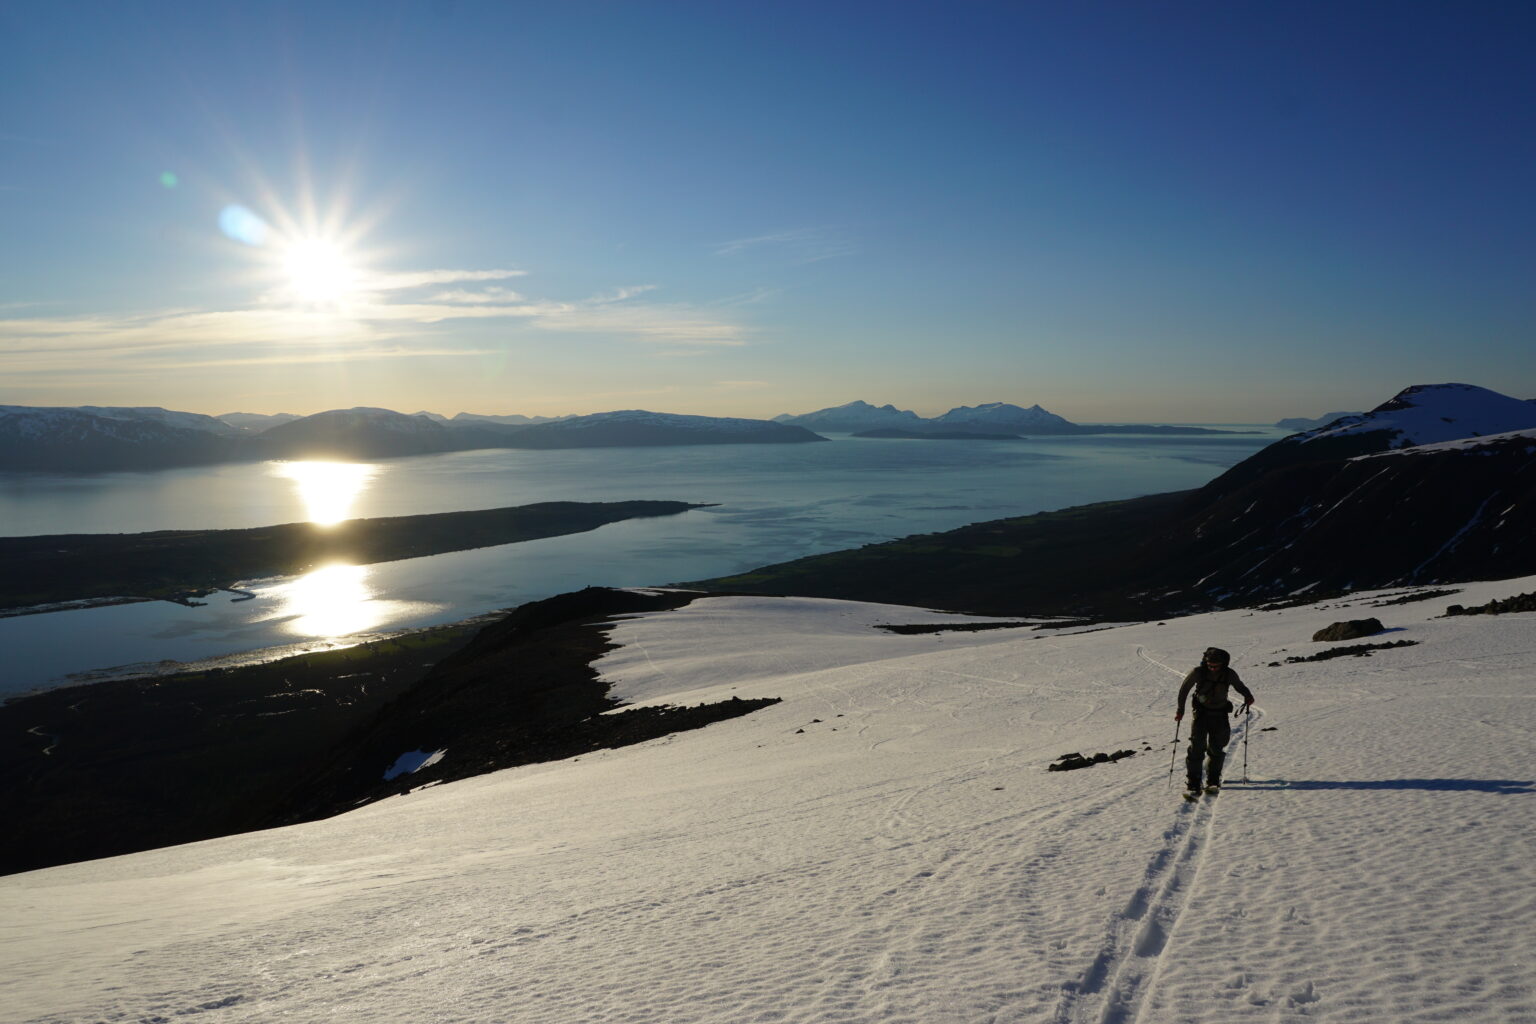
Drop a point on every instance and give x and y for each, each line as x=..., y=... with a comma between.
x=773, y=502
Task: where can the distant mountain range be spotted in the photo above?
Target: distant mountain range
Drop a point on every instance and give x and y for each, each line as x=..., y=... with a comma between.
x=993, y=418
x=92, y=438
x=1298, y=423
x=1436, y=485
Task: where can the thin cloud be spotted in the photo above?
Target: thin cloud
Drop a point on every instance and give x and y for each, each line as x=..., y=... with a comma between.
x=492, y=294
x=620, y=294
x=421, y=278
x=674, y=324
x=805, y=245
x=373, y=326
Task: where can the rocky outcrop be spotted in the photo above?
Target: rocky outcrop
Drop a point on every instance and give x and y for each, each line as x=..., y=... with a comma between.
x=1350, y=629
x=522, y=691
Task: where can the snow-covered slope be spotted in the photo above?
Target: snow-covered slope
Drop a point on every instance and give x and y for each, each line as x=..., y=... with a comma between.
x=1487, y=444
x=1429, y=413
x=1419, y=415
x=95, y=437
x=155, y=414
x=884, y=845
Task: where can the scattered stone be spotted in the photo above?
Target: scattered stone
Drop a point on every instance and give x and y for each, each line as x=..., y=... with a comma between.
x=1072, y=762
x=1427, y=595
x=1518, y=603
x=1351, y=629
x=1352, y=651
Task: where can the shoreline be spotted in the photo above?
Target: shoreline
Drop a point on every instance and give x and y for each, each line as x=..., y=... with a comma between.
x=65, y=572
x=150, y=672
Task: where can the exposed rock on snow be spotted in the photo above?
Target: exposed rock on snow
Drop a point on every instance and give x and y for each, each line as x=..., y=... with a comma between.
x=1351, y=629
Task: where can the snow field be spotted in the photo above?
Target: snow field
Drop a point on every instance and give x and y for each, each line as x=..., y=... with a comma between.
x=904, y=859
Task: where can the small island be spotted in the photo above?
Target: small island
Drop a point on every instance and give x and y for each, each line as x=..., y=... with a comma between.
x=181, y=564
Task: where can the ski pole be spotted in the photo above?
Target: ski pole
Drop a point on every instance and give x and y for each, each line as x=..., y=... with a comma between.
x=1175, y=755
x=1247, y=728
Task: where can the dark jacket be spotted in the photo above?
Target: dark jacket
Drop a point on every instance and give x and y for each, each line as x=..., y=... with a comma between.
x=1211, y=689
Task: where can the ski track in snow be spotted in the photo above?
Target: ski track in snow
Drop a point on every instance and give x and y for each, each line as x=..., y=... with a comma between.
x=1125, y=967
x=883, y=846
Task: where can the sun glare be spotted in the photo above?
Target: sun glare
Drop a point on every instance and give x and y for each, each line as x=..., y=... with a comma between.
x=327, y=489
x=318, y=271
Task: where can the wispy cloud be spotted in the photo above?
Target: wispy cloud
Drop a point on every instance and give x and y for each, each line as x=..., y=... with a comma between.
x=492, y=294
x=420, y=278
x=381, y=323
x=804, y=245
x=668, y=324
x=620, y=294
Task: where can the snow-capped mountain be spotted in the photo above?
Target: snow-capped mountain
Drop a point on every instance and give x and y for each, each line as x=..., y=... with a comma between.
x=854, y=417
x=105, y=438
x=1418, y=415
x=885, y=844
x=154, y=414
x=1427, y=413
x=642, y=427
x=992, y=417
x=96, y=438
x=1003, y=416
x=256, y=422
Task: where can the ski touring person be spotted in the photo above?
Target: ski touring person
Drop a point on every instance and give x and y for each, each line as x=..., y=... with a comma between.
x=1211, y=730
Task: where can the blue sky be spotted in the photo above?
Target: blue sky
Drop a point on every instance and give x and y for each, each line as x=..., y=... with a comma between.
x=1214, y=212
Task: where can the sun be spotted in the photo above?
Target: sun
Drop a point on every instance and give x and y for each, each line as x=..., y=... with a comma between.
x=318, y=271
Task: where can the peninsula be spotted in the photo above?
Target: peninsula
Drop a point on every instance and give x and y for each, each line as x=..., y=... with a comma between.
x=178, y=564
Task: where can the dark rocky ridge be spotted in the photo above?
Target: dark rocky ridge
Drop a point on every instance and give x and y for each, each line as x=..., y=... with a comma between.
x=130, y=765
x=523, y=690
x=1323, y=526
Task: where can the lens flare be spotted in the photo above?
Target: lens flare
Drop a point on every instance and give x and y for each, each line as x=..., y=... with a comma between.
x=243, y=226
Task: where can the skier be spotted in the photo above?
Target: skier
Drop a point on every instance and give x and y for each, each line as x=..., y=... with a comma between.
x=1209, y=734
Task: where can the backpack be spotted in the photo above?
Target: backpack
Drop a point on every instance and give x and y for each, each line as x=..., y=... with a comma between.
x=1211, y=690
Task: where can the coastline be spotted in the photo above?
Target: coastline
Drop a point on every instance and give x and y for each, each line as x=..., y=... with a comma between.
x=72, y=571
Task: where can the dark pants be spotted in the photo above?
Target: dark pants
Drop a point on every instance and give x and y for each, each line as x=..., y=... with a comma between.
x=1208, y=738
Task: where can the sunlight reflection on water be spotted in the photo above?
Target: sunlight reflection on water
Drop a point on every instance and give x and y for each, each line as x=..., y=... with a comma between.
x=335, y=601
x=327, y=489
